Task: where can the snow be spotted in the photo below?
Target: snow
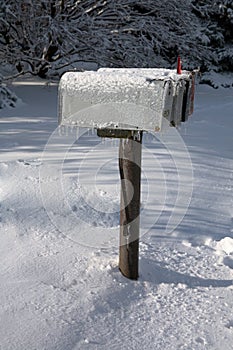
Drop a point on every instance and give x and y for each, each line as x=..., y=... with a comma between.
x=149, y=73
x=59, y=223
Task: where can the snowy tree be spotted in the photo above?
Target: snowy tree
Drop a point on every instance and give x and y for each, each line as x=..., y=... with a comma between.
x=46, y=36
x=216, y=20
x=29, y=34
x=7, y=97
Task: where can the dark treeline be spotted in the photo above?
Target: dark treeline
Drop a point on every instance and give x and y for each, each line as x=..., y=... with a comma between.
x=46, y=36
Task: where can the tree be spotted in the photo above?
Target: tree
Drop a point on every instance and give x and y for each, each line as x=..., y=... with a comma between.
x=29, y=34
x=216, y=19
x=47, y=35
x=7, y=97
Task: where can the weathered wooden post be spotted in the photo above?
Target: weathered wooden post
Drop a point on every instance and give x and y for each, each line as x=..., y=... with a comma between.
x=122, y=103
x=130, y=153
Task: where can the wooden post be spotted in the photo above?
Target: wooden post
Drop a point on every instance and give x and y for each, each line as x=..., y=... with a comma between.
x=130, y=154
x=130, y=150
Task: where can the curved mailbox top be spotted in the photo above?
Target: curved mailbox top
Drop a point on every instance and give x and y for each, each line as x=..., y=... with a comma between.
x=131, y=99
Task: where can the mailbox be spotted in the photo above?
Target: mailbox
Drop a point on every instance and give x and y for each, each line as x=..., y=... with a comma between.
x=123, y=103
x=127, y=99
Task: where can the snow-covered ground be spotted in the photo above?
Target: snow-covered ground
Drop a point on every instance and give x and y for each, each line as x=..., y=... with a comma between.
x=60, y=284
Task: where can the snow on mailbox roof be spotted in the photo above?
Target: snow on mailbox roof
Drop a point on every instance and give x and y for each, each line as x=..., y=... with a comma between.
x=124, y=98
x=149, y=73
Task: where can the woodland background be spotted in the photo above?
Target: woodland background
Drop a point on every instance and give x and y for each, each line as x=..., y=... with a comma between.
x=49, y=37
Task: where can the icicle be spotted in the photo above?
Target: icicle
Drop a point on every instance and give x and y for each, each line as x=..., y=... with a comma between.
x=116, y=142
x=62, y=130
x=77, y=132
x=59, y=130
x=75, y=127
x=139, y=136
x=67, y=130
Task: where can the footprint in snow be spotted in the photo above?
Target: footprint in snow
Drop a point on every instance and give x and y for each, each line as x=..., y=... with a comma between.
x=32, y=162
x=230, y=324
x=228, y=261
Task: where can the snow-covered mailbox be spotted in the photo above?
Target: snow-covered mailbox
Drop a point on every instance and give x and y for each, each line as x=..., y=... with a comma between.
x=123, y=103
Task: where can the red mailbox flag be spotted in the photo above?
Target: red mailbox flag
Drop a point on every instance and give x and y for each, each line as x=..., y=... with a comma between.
x=179, y=71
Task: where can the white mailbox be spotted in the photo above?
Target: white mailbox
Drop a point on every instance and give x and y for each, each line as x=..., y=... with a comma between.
x=127, y=99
